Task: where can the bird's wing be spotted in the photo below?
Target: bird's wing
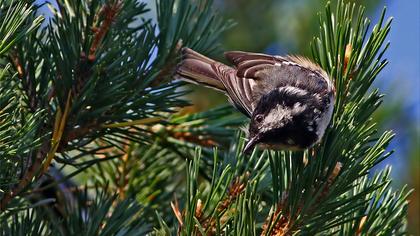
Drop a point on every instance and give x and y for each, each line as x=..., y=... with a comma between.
x=197, y=68
x=239, y=90
x=261, y=73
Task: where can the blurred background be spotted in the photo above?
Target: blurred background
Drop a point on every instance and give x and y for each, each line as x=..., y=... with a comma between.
x=288, y=26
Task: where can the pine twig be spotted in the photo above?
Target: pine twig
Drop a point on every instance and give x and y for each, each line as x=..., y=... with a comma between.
x=123, y=171
x=27, y=83
x=178, y=215
x=59, y=126
x=282, y=223
x=168, y=68
x=110, y=12
x=84, y=67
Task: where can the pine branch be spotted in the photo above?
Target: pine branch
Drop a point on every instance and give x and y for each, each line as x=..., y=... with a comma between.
x=119, y=51
x=109, y=11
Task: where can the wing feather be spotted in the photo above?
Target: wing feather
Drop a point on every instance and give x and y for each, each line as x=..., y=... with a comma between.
x=237, y=88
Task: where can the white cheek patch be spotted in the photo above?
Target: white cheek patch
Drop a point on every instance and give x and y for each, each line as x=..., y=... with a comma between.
x=294, y=90
x=277, y=117
x=280, y=115
x=298, y=108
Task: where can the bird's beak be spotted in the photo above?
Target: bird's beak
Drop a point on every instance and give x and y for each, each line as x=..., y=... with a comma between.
x=250, y=144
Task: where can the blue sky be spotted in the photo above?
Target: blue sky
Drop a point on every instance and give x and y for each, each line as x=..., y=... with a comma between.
x=401, y=78
x=404, y=53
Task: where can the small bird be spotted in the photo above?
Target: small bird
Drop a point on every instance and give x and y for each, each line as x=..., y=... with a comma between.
x=289, y=99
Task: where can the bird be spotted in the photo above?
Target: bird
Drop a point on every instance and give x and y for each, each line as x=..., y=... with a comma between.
x=289, y=99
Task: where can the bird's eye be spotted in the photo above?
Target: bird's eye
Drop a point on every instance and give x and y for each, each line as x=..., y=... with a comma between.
x=259, y=118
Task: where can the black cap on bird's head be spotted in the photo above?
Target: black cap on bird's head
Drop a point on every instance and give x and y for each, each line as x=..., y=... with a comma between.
x=283, y=119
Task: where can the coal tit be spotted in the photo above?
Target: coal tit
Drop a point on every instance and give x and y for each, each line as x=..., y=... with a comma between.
x=289, y=100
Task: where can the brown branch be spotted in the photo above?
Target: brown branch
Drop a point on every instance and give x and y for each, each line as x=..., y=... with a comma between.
x=109, y=12
x=36, y=170
x=27, y=83
x=201, y=140
x=77, y=133
x=168, y=68
x=236, y=188
x=329, y=182
x=361, y=225
x=16, y=63
x=122, y=178
x=347, y=56
x=46, y=149
x=175, y=131
x=281, y=226
x=58, y=132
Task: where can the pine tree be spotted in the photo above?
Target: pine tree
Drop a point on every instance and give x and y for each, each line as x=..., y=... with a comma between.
x=92, y=143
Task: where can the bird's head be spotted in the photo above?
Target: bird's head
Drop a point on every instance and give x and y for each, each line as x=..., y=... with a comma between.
x=285, y=118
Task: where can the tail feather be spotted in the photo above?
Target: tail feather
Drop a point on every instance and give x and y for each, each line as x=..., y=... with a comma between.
x=199, y=69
